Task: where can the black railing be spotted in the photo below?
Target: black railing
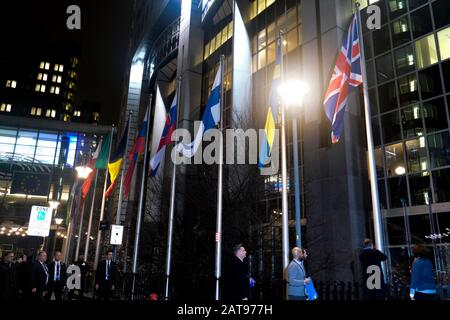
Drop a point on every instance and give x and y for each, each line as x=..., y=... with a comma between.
x=145, y=284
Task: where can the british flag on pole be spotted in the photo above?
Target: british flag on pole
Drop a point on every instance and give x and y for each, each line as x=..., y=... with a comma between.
x=347, y=73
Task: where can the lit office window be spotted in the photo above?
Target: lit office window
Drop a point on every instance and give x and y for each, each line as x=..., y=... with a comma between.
x=426, y=52
x=5, y=107
x=66, y=118
x=43, y=88
x=77, y=113
x=11, y=84
x=47, y=66
x=39, y=76
x=42, y=65
x=44, y=77
x=61, y=68
x=56, y=90
x=71, y=85
x=52, y=89
x=38, y=87
x=50, y=113
x=395, y=164
x=59, y=79
x=96, y=116
x=33, y=111
x=38, y=111
x=54, y=78
x=444, y=43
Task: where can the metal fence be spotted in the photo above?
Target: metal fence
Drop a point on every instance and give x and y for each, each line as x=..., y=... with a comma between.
x=145, y=284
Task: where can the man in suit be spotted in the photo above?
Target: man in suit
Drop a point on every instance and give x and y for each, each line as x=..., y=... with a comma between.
x=8, y=278
x=106, y=277
x=372, y=257
x=23, y=276
x=39, y=277
x=237, y=279
x=57, y=278
x=297, y=275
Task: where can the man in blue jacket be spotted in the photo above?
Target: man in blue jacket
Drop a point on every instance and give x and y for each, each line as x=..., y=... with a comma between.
x=297, y=276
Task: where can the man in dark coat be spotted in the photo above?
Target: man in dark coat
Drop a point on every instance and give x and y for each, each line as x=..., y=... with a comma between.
x=57, y=278
x=8, y=278
x=237, y=278
x=23, y=276
x=372, y=257
x=39, y=277
x=106, y=277
x=84, y=270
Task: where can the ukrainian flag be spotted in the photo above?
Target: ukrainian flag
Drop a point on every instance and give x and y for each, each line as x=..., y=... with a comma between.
x=115, y=162
x=272, y=113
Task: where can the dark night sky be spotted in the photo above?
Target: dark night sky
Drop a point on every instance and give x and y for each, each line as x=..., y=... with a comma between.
x=105, y=29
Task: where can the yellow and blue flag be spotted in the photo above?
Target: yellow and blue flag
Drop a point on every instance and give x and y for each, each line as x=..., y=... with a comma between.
x=272, y=114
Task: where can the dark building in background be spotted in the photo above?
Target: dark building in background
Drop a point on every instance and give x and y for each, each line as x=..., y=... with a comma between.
x=42, y=84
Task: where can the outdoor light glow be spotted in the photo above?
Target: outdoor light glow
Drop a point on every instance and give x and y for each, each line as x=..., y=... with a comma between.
x=400, y=170
x=292, y=92
x=83, y=171
x=58, y=221
x=53, y=204
x=14, y=229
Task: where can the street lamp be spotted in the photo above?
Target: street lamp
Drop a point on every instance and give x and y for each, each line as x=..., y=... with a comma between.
x=83, y=171
x=53, y=204
x=291, y=93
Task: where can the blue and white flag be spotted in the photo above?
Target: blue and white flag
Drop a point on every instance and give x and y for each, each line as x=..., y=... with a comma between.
x=211, y=118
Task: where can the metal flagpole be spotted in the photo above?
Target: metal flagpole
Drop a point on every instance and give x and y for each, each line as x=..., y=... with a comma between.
x=298, y=226
x=122, y=176
x=218, y=259
x=77, y=250
x=285, y=207
x=91, y=213
x=102, y=208
x=172, y=205
x=141, y=197
x=376, y=212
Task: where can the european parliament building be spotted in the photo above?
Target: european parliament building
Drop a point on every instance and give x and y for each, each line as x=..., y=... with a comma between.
x=408, y=65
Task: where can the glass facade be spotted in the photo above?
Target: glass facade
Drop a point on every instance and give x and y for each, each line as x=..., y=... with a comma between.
x=52, y=155
x=410, y=98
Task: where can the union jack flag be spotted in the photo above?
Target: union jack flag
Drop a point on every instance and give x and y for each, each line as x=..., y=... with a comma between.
x=347, y=72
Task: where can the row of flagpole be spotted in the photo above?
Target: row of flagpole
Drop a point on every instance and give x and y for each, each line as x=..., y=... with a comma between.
x=210, y=119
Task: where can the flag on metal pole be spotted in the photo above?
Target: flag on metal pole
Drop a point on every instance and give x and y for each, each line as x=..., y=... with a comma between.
x=116, y=159
x=346, y=74
x=211, y=118
x=138, y=149
x=166, y=138
x=272, y=113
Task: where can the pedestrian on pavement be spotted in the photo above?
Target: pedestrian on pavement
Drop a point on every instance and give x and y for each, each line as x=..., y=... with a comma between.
x=23, y=278
x=57, y=278
x=297, y=275
x=371, y=257
x=237, y=276
x=8, y=278
x=39, y=277
x=422, y=277
x=84, y=270
x=106, y=277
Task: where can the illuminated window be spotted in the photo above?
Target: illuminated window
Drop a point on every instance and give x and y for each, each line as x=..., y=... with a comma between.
x=50, y=113
x=54, y=78
x=33, y=111
x=96, y=116
x=39, y=76
x=44, y=77
x=11, y=83
x=59, y=79
x=57, y=90
x=42, y=65
x=47, y=66
x=40, y=87
x=426, y=53
x=74, y=61
x=73, y=75
x=444, y=43
x=54, y=90
x=66, y=118
x=71, y=85
x=68, y=106
x=61, y=68
x=36, y=111
x=77, y=113
x=69, y=95
x=5, y=107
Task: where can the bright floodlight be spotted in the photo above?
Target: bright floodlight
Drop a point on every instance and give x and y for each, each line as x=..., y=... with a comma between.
x=53, y=204
x=83, y=171
x=292, y=92
x=400, y=170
